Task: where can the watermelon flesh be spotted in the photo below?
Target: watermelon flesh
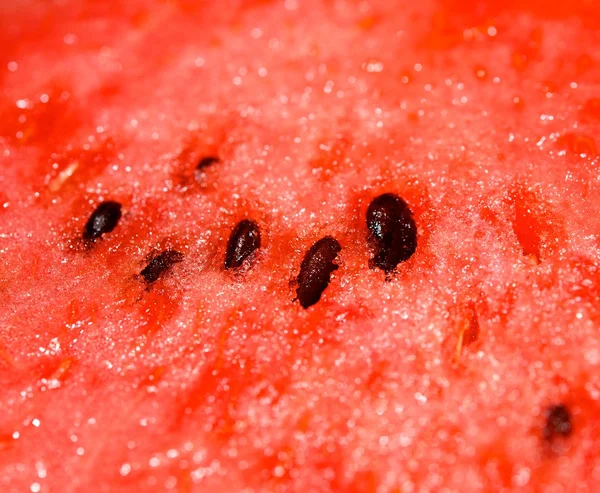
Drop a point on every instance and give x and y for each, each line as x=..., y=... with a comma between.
x=473, y=366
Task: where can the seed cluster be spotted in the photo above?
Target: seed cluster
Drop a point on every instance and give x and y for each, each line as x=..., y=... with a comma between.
x=392, y=238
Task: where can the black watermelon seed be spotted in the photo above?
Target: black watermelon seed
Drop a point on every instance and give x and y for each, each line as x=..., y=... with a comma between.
x=103, y=220
x=160, y=264
x=315, y=270
x=207, y=161
x=392, y=231
x=203, y=164
x=243, y=242
x=558, y=422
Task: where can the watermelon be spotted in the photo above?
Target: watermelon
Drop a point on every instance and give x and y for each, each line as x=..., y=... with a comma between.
x=299, y=246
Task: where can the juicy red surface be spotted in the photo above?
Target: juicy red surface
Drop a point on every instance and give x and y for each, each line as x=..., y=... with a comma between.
x=482, y=117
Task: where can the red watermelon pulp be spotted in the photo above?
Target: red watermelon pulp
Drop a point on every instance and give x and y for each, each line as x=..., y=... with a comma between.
x=245, y=133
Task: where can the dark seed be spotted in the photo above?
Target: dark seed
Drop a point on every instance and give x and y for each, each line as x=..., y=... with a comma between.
x=558, y=422
x=392, y=231
x=244, y=240
x=103, y=220
x=160, y=264
x=316, y=269
x=205, y=162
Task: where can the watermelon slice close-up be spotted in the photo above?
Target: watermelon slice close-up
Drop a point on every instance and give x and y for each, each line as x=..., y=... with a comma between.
x=299, y=246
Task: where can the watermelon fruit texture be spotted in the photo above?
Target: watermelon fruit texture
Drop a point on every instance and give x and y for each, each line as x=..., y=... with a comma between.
x=133, y=359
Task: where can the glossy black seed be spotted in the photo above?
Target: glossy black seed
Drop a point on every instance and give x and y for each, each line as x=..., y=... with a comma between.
x=203, y=164
x=160, y=264
x=392, y=231
x=558, y=422
x=243, y=242
x=103, y=220
x=315, y=270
